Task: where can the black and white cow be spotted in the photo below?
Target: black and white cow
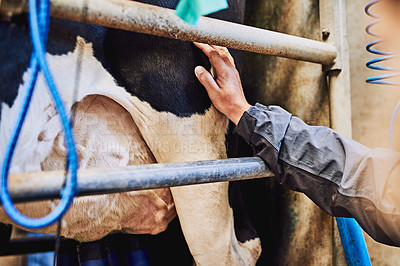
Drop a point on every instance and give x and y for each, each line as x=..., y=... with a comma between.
x=138, y=102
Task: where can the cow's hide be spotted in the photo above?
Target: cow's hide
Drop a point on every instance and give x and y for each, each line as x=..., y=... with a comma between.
x=137, y=102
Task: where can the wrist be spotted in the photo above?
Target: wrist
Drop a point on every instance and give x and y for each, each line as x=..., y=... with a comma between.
x=238, y=112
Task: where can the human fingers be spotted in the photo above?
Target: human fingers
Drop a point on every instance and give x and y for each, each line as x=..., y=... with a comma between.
x=206, y=80
x=206, y=48
x=224, y=53
x=217, y=61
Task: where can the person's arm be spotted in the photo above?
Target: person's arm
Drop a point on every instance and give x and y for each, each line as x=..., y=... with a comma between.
x=340, y=175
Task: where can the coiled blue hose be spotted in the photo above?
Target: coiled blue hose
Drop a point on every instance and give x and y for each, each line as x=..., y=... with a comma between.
x=384, y=55
x=381, y=79
x=39, y=27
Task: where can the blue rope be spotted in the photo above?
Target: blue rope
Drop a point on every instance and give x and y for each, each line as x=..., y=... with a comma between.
x=39, y=27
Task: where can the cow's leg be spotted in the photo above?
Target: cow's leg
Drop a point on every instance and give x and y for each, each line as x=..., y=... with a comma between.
x=207, y=222
x=204, y=212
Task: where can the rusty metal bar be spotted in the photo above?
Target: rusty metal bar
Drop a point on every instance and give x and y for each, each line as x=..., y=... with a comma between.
x=47, y=185
x=149, y=19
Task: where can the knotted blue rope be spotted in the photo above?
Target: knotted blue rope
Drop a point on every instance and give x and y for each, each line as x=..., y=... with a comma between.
x=39, y=27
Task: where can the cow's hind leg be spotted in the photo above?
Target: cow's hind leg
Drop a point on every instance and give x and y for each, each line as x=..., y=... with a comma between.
x=207, y=222
x=204, y=211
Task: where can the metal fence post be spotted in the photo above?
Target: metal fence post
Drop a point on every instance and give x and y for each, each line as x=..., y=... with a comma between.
x=334, y=30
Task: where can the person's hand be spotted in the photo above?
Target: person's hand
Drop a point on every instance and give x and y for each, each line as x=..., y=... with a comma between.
x=226, y=90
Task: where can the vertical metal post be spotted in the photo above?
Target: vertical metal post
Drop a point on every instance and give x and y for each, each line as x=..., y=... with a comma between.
x=334, y=30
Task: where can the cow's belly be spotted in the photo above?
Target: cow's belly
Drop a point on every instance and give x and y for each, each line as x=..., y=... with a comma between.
x=106, y=136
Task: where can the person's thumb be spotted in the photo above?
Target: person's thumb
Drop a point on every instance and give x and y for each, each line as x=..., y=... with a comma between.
x=206, y=79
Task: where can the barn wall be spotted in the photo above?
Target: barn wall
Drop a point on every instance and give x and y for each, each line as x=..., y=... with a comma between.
x=299, y=233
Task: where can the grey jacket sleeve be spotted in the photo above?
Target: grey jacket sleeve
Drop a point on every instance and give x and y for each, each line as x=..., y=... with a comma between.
x=341, y=176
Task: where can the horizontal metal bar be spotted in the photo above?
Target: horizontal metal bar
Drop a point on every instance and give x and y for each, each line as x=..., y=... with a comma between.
x=47, y=185
x=144, y=18
x=27, y=245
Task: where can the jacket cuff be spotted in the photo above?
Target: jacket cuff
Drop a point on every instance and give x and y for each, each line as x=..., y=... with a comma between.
x=247, y=123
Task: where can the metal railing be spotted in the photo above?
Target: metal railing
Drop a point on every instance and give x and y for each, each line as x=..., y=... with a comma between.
x=150, y=19
x=47, y=185
x=144, y=18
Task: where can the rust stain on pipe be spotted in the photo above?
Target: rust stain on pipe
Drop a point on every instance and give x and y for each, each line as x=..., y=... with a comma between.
x=149, y=19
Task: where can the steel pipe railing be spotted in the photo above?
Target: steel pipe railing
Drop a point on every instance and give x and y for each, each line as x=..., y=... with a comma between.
x=47, y=185
x=149, y=19
x=28, y=245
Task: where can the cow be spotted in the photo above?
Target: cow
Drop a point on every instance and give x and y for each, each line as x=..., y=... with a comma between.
x=135, y=101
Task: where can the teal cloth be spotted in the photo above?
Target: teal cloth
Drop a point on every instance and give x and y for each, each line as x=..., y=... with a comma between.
x=191, y=10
